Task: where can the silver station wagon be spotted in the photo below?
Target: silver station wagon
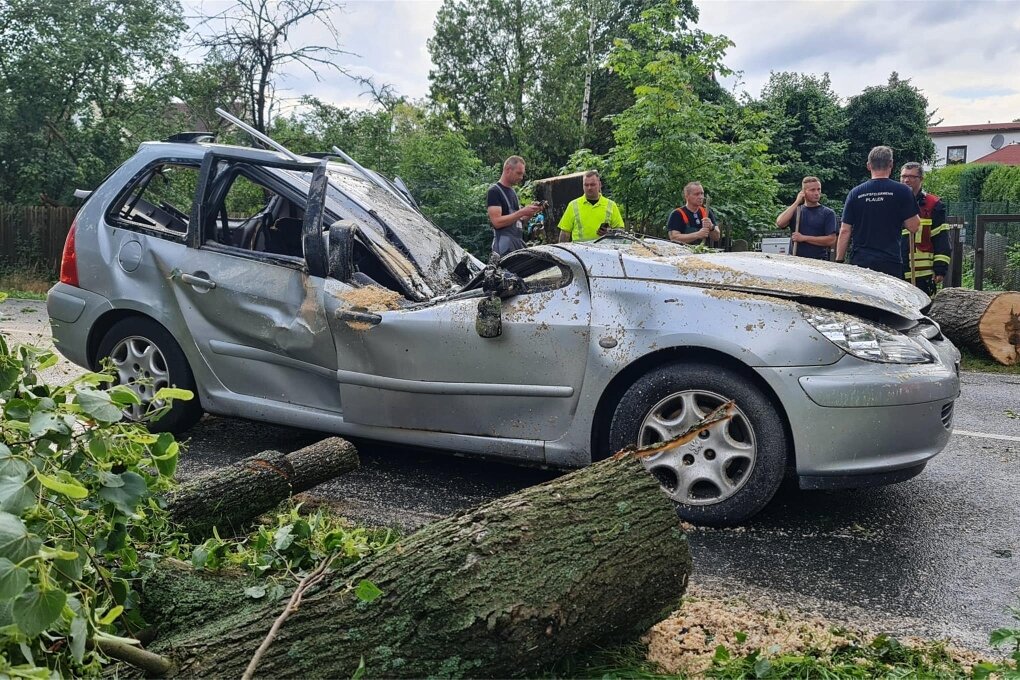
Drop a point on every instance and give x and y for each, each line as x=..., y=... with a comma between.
x=312, y=293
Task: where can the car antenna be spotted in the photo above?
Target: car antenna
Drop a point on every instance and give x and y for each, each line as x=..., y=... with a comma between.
x=258, y=136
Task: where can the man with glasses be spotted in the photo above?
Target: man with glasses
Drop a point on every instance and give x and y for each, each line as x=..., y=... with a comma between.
x=926, y=264
x=874, y=215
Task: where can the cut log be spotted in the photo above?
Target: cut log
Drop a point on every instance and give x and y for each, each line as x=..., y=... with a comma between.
x=985, y=322
x=230, y=497
x=505, y=589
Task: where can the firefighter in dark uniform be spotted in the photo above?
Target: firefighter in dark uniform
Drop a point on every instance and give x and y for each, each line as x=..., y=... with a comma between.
x=931, y=241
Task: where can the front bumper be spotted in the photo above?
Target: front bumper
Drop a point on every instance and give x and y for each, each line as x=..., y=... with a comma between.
x=857, y=423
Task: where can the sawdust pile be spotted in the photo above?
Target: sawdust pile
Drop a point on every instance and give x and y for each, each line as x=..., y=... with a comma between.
x=372, y=298
x=685, y=642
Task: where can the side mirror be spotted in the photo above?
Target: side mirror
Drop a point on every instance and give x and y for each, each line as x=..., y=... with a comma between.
x=341, y=251
x=489, y=320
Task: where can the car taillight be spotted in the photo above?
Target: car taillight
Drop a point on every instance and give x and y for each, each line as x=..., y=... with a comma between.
x=69, y=260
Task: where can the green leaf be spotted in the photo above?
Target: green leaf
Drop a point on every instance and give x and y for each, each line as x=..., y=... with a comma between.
x=762, y=667
x=284, y=537
x=111, y=615
x=110, y=479
x=48, y=553
x=99, y=405
x=69, y=488
x=741, y=636
x=35, y=610
x=16, y=494
x=164, y=393
x=18, y=409
x=122, y=395
x=10, y=466
x=367, y=591
x=98, y=448
x=255, y=592
x=127, y=497
x=44, y=422
x=79, y=636
x=166, y=455
x=15, y=542
x=1004, y=636
x=13, y=579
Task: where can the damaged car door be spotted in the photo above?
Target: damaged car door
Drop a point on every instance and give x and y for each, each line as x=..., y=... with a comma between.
x=426, y=367
x=250, y=283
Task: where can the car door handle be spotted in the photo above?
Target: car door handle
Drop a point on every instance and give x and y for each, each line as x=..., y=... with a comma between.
x=198, y=281
x=358, y=317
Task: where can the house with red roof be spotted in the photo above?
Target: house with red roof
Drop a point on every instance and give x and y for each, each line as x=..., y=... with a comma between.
x=973, y=143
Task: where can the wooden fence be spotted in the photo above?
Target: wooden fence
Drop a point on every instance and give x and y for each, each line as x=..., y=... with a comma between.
x=33, y=236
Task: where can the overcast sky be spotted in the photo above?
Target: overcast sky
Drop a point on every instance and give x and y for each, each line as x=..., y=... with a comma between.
x=964, y=56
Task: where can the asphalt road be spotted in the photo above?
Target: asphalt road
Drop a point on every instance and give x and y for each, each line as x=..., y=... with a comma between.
x=938, y=555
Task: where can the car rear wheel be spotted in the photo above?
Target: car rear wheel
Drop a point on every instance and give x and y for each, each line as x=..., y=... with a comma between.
x=728, y=472
x=144, y=356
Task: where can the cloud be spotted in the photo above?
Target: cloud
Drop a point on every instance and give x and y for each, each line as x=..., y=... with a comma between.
x=957, y=53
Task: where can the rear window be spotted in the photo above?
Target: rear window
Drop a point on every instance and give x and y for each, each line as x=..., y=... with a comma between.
x=160, y=200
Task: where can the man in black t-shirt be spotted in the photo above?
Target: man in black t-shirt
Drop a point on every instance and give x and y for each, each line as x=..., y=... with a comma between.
x=815, y=233
x=875, y=214
x=692, y=223
x=506, y=215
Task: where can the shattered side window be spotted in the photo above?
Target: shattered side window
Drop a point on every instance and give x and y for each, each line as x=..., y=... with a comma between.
x=539, y=273
x=160, y=200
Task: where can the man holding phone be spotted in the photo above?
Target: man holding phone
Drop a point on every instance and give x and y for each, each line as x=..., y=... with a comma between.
x=506, y=215
x=590, y=216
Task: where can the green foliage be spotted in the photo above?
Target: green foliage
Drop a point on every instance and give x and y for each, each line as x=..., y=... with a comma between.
x=895, y=115
x=882, y=656
x=944, y=182
x=1002, y=184
x=808, y=128
x=78, y=514
x=64, y=94
x=670, y=136
x=413, y=143
x=288, y=543
x=972, y=180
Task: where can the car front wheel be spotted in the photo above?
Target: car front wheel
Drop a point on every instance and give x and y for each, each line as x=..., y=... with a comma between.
x=145, y=357
x=729, y=471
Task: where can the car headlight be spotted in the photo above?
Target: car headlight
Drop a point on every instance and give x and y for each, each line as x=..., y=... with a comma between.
x=866, y=340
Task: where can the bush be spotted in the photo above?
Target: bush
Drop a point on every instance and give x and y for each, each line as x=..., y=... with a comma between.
x=944, y=182
x=972, y=179
x=1002, y=184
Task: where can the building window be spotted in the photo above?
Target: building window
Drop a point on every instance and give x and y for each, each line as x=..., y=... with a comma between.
x=956, y=154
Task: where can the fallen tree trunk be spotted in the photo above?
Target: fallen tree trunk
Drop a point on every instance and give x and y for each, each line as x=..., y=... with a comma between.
x=232, y=496
x=504, y=589
x=985, y=322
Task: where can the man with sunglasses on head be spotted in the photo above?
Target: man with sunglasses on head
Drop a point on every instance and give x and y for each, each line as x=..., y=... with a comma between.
x=928, y=265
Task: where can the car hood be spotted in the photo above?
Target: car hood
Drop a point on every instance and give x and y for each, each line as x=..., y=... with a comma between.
x=812, y=281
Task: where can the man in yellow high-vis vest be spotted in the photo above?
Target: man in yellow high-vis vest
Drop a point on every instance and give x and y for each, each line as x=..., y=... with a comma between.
x=589, y=216
x=927, y=263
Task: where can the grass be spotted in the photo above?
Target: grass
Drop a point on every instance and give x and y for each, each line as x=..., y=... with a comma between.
x=25, y=284
x=975, y=362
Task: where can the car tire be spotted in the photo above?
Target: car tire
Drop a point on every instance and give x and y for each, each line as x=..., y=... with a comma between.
x=728, y=473
x=145, y=356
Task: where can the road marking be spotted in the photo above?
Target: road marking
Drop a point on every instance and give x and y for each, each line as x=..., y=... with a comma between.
x=985, y=435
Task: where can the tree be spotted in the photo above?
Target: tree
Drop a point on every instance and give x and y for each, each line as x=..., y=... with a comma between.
x=69, y=75
x=255, y=36
x=671, y=136
x=487, y=58
x=808, y=129
x=411, y=141
x=895, y=115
